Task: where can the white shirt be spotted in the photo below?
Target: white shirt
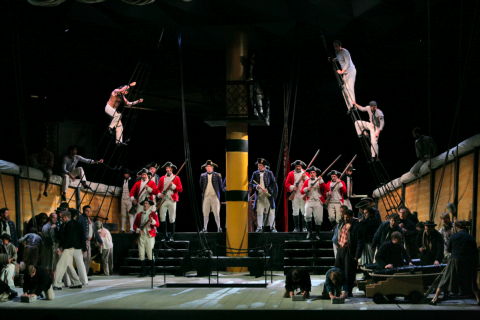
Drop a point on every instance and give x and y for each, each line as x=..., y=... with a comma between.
x=297, y=176
x=314, y=193
x=377, y=118
x=335, y=192
x=166, y=182
x=262, y=184
x=345, y=60
x=125, y=190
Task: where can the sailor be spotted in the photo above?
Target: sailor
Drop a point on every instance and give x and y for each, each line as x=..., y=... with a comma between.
x=265, y=187
x=145, y=225
x=334, y=191
x=349, y=184
x=313, y=190
x=347, y=71
x=294, y=183
x=143, y=189
x=430, y=245
x=374, y=125
x=111, y=108
x=211, y=186
x=127, y=183
x=169, y=186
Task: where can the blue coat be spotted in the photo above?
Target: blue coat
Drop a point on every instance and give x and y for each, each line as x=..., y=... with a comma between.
x=83, y=220
x=216, y=182
x=270, y=185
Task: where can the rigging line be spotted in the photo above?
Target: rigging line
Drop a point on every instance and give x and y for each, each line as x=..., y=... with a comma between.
x=462, y=80
x=186, y=146
x=3, y=190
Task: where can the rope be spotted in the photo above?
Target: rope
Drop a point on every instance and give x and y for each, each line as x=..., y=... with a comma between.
x=3, y=191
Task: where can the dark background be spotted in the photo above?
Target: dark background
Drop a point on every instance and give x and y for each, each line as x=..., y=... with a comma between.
x=70, y=57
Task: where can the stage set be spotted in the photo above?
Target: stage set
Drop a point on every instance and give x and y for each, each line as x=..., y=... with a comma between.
x=253, y=86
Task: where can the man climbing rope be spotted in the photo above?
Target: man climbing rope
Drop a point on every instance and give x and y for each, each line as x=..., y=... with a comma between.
x=116, y=97
x=374, y=126
x=347, y=71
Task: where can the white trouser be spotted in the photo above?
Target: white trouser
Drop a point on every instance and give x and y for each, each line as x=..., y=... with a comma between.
x=334, y=213
x=360, y=126
x=170, y=206
x=107, y=261
x=7, y=275
x=263, y=207
x=298, y=205
x=145, y=246
x=314, y=209
x=334, y=250
x=79, y=260
x=66, y=261
x=347, y=202
x=115, y=123
x=125, y=206
x=211, y=204
x=77, y=173
x=349, y=86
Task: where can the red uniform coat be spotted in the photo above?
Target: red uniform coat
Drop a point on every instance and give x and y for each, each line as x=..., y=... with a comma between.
x=321, y=191
x=151, y=227
x=290, y=180
x=135, y=192
x=176, y=181
x=342, y=190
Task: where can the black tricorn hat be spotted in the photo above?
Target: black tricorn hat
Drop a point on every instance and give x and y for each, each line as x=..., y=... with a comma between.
x=350, y=167
x=429, y=224
x=313, y=168
x=6, y=236
x=262, y=161
x=368, y=199
x=146, y=200
x=209, y=163
x=169, y=164
x=362, y=204
x=144, y=170
x=462, y=224
x=298, y=163
x=335, y=172
x=151, y=164
x=126, y=170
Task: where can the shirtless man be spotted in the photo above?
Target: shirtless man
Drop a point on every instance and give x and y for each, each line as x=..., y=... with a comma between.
x=113, y=103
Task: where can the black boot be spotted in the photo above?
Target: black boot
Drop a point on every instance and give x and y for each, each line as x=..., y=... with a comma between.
x=317, y=232
x=150, y=268
x=309, y=230
x=164, y=230
x=301, y=222
x=296, y=227
x=173, y=232
x=143, y=269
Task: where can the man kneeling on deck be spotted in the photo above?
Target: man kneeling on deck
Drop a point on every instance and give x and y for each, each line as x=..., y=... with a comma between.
x=37, y=282
x=298, y=279
x=335, y=285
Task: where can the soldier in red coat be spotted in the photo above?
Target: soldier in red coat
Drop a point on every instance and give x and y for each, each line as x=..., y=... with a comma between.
x=169, y=186
x=294, y=183
x=145, y=225
x=335, y=189
x=143, y=189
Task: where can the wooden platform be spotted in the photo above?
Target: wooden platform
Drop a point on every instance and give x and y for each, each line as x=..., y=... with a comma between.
x=122, y=297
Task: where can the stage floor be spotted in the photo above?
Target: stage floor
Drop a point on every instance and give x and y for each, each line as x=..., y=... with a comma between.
x=132, y=293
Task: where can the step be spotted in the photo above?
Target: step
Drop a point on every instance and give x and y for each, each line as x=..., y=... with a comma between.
x=172, y=261
x=308, y=261
x=309, y=252
x=310, y=269
x=162, y=252
x=304, y=244
x=180, y=244
x=177, y=270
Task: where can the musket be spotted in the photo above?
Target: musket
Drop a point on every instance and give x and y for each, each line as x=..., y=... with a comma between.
x=323, y=172
x=263, y=189
x=164, y=192
x=292, y=194
x=339, y=179
x=134, y=208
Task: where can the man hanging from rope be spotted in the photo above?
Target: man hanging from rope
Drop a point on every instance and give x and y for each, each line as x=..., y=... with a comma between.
x=294, y=183
x=374, y=126
x=116, y=98
x=264, y=183
x=71, y=171
x=169, y=186
x=347, y=71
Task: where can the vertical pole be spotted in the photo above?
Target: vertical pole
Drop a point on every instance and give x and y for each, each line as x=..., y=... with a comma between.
x=236, y=148
x=475, y=192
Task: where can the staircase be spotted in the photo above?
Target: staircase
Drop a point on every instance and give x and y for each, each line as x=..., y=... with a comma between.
x=170, y=257
x=315, y=256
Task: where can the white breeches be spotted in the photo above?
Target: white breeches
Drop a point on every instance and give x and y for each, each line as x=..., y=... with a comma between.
x=171, y=207
x=78, y=173
x=298, y=205
x=116, y=122
x=360, y=126
x=349, y=86
x=125, y=206
x=145, y=246
x=314, y=209
x=263, y=207
x=334, y=213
